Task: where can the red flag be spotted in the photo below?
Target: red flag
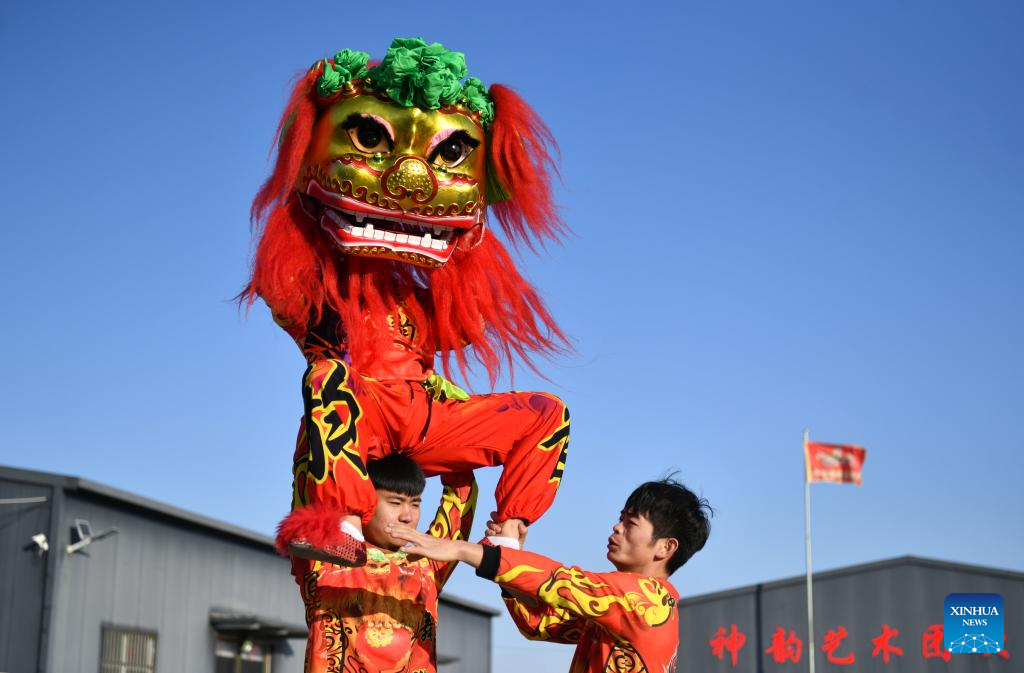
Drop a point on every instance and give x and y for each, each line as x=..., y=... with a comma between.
x=836, y=463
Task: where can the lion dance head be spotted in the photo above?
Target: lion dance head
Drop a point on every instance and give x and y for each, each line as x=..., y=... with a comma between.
x=386, y=181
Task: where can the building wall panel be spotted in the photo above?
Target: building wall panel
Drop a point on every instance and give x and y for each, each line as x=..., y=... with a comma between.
x=162, y=575
x=22, y=575
x=466, y=636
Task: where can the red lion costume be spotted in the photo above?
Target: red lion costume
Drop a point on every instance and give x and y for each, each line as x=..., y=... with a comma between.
x=373, y=254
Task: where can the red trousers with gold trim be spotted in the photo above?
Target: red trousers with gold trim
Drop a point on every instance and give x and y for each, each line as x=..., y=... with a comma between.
x=350, y=419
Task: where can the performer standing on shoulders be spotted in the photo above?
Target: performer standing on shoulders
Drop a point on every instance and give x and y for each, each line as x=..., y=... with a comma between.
x=626, y=620
x=378, y=252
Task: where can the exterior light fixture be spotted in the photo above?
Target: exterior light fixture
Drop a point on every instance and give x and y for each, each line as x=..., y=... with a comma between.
x=82, y=536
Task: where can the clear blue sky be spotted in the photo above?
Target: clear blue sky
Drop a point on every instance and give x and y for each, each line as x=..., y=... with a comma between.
x=785, y=215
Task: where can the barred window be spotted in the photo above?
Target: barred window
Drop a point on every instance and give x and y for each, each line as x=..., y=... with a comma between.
x=127, y=650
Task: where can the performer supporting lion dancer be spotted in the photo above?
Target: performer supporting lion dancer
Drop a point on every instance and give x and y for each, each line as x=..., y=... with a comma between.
x=374, y=254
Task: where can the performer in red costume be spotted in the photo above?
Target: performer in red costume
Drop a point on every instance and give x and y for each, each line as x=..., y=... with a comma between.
x=376, y=252
x=625, y=621
x=382, y=617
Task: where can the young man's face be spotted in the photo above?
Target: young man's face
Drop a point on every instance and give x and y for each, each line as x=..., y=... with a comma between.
x=392, y=508
x=631, y=546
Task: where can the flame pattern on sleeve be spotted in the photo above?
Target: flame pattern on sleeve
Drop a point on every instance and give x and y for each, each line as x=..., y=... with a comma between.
x=544, y=622
x=454, y=517
x=620, y=622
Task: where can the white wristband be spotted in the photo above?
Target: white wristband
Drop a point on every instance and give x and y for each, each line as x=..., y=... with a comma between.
x=346, y=527
x=502, y=541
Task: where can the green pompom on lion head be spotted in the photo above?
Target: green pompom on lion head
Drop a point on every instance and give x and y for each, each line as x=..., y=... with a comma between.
x=429, y=76
x=412, y=74
x=476, y=98
x=416, y=74
x=347, y=65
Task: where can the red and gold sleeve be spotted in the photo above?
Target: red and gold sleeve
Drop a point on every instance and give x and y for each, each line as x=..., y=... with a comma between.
x=543, y=622
x=623, y=603
x=454, y=517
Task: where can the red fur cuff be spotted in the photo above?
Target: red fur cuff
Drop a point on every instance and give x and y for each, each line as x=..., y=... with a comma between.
x=318, y=524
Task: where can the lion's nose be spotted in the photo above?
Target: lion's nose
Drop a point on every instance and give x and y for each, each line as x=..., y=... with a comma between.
x=410, y=177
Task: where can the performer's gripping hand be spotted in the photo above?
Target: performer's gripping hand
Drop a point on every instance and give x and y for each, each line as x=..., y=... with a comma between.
x=437, y=549
x=513, y=529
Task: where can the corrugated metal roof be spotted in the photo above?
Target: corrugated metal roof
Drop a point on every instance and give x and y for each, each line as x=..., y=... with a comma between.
x=71, y=483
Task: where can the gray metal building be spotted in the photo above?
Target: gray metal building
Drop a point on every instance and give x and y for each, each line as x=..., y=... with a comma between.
x=169, y=591
x=877, y=617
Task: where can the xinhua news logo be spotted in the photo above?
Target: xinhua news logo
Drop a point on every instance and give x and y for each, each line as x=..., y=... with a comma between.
x=973, y=624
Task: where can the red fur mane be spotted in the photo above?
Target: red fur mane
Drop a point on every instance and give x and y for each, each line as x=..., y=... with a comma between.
x=478, y=299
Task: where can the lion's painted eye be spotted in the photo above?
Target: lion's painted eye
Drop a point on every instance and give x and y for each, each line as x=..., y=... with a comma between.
x=453, y=149
x=368, y=134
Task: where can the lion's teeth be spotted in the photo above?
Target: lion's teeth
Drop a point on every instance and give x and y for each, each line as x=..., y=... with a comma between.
x=428, y=236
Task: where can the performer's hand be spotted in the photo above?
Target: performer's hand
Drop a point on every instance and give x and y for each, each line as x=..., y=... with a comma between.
x=510, y=528
x=493, y=526
x=355, y=522
x=438, y=549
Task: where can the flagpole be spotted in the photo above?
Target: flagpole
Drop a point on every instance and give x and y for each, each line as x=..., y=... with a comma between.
x=807, y=544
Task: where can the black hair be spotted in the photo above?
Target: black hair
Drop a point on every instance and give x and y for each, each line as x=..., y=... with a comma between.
x=398, y=474
x=674, y=511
